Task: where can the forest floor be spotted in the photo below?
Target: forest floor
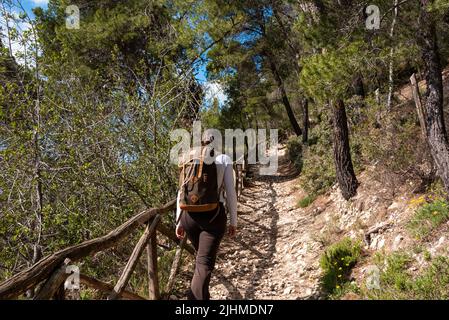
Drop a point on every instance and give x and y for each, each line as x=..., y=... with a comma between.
x=274, y=255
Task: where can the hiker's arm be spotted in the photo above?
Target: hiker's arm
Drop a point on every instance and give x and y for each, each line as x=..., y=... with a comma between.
x=231, y=197
x=178, y=210
x=179, y=229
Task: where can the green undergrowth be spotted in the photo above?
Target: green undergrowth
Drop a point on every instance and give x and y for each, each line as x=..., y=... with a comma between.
x=428, y=217
x=336, y=264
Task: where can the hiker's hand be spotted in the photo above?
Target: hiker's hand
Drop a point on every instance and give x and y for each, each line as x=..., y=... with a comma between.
x=232, y=230
x=180, y=232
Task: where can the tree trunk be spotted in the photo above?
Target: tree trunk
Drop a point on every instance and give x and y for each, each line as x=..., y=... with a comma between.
x=390, y=68
x=342, y=155
x=357, y=84
x=305, y=120
x=285, y=100
x=435, y=126
x=419, y=107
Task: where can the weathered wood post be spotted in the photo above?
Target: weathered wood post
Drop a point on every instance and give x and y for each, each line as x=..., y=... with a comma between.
x=53, y=283
x=132, y=262
x=153, y=279
x=175, y=267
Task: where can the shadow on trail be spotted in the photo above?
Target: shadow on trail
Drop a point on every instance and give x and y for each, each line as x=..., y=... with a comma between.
x=251, y=253
x=267, y=258
x=234, y=293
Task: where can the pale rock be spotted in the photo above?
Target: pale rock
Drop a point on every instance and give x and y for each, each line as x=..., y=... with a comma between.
x=288, y=290
x=393, y=206
x=373, y=244
x=397, y=242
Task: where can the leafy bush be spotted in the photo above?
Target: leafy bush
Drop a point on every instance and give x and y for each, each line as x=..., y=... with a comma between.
x=391, y=141
x=306, y=201
x=318, y=170
x=394, y=274
x=294, y=147
x=337, y=262
x=428, y=217
x=397, y=282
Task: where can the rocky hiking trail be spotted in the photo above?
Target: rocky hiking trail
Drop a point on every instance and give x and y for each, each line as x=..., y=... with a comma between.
x=276, y=252
x=274, y=255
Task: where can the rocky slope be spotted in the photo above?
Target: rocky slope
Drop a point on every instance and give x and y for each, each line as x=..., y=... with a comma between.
x=276, y=253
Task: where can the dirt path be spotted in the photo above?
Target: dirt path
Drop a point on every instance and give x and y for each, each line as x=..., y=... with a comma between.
x=274, y=255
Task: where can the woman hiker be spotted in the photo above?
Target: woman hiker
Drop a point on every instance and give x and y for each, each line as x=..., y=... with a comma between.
x=205, y=230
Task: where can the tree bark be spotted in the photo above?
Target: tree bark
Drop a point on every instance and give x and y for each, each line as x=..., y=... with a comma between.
x=342, y=155
x=390, y=68
x=54, y=282
x=305, y=120
x=285, y=100
x=435, y=126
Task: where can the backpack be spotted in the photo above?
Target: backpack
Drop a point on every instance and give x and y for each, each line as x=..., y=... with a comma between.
x=198, y=182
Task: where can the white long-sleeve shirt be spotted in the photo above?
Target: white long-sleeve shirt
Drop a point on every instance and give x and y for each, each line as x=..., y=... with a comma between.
x=225, y=174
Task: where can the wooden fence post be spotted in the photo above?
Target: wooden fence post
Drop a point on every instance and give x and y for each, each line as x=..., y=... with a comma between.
x=53, y=283
x=175, y=267
x=132, y=262
x=153, y=279
x=60, y=293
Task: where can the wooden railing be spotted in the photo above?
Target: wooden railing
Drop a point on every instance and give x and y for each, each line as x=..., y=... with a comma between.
x=47, y=276
x=49, y=273
x=239, y=172
x=240, y=167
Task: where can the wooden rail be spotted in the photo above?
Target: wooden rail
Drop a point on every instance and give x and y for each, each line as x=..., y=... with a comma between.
x=49, y=274
x=34, y=275
x=239, y=174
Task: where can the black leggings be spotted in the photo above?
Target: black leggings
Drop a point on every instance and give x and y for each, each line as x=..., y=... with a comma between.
x=205, y=233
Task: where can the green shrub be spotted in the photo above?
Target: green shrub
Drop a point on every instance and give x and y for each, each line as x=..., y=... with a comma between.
x=427, y=255
x=397, y=282
x=306, y=201
x=428, y=217
x=392, y=141
x=294, y=147
x=337, y=262
x=394, y=274
x=433, y=283
x=318, y=170
x=345, y=288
